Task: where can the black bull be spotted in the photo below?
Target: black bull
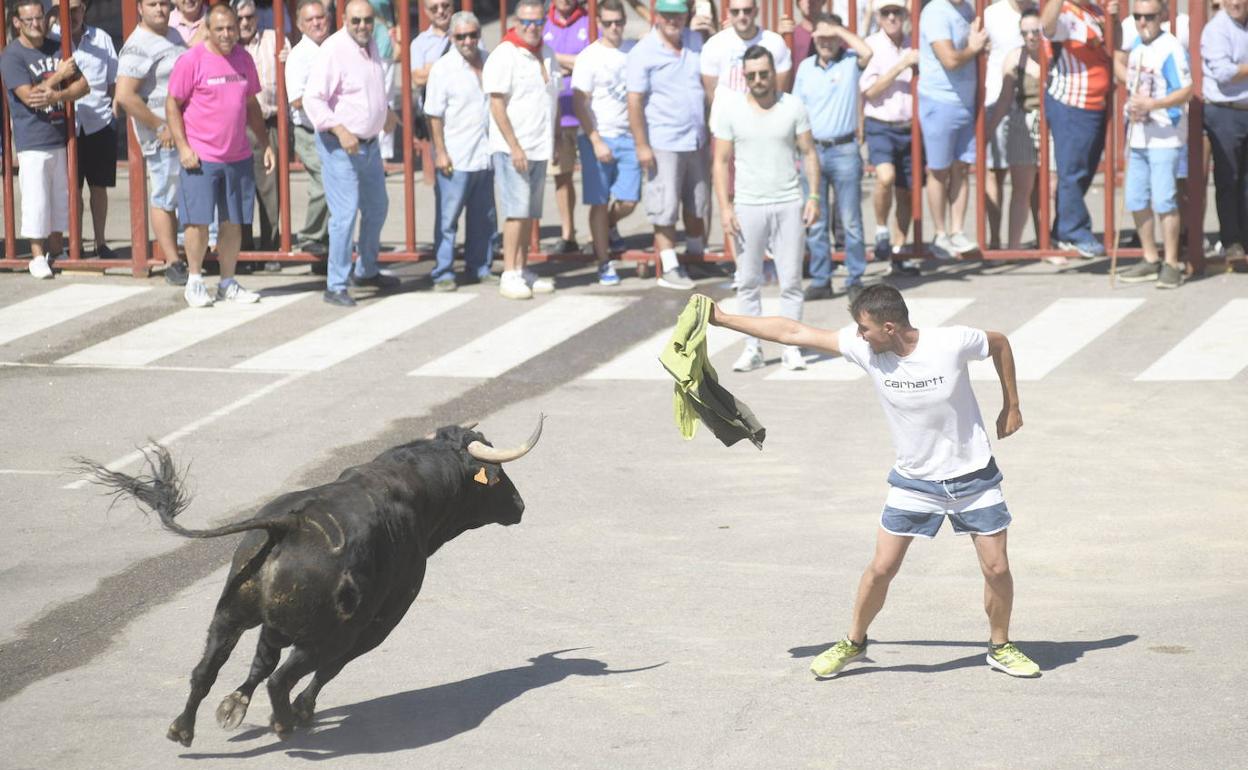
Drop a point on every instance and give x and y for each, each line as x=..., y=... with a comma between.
x=330, y=570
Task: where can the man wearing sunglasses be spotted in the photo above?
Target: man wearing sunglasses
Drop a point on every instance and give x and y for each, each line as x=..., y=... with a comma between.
x=347, y=100
x=1159, y=86
x=722, y=68
x=39, y=85
x=522, y=77
x=429, y=45
x=313, y=23
x=458, y=112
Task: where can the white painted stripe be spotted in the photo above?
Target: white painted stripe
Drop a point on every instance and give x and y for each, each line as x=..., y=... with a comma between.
x=20, y=472
x=924, y=312
x=174, y=332
x=524, y=337
x=48, y=310
x=1057, y=333
x=194, y=425
x=355, y=333
x=641, y=362
x=1216, y=350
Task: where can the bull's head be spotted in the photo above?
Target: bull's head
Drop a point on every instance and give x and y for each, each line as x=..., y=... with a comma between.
x=491, y=497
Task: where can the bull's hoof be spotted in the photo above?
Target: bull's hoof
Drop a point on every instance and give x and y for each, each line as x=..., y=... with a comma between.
x=283, y=731
x=181, y=732
x=232, y=710
x=303, y=708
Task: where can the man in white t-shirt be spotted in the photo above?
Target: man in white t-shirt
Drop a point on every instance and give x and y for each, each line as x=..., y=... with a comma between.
x=944, y=462
x=610, y=173
x=763, y=131
x=313, y=23
x=523, y=80
x=1001, y=23
x=721, y=55
x=1159, y=85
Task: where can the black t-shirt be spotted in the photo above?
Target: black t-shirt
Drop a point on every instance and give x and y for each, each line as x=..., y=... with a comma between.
x=40, y=129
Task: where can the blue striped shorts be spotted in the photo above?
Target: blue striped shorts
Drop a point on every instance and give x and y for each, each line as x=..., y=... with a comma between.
x=973, y=504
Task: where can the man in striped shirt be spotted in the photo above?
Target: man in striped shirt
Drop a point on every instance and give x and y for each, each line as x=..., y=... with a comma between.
x=1076, y=107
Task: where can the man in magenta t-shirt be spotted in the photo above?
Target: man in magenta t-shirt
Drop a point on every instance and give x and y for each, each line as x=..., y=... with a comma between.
x=212, y=99
x=567, y=34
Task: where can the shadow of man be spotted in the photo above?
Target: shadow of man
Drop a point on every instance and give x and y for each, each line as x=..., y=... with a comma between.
x=416, y=718
x=1049, y=655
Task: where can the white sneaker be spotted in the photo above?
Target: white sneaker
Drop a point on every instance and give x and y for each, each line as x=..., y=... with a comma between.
x=232, y=292
x=536, y=284
x=196, y=294
x=792, y=358
x=676, y=278
x=750, y=359
x=942, y=247
x=961, y=244
x=512, y=286
x=39, y=267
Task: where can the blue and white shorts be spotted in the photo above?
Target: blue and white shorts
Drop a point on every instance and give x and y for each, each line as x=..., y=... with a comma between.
x=973, y=503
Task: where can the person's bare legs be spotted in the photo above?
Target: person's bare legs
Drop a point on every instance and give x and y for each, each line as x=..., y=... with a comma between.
x=1022, y=185
x=959, y=195
x=1148, y=238
x=514, y=232
x=901, y=228
x=994, y=186
x=621, y=209
x=938, y=181
x=522, y=251
x=99, y=213
x=1170, y=230
x=890, y=550
x=195, y=240
x=882, y=195
x=664, y=237
x=599, y=231
x=229, y=241
x=165, y=227
x=998, y=583
x=565, y=196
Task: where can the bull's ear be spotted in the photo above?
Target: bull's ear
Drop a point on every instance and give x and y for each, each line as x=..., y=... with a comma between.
x=487, y=475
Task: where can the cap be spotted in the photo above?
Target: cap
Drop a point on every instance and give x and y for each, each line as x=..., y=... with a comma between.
x=880, y=5
x=671, y=6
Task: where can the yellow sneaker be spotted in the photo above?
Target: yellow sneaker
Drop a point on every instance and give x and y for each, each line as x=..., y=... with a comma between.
x=832, y=660
x=1011, y=660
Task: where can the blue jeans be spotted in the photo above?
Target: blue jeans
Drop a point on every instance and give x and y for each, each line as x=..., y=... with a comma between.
x=840, y=167
x=1228, y=139
x=474, y=191
x=1078, y=141
x=354, y=185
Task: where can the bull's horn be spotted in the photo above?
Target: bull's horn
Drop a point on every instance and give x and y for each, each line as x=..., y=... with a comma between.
x=488, y=454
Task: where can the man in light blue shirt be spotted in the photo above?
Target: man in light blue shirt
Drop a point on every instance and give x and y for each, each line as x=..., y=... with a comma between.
x=666, y=114
x=950, y=40
x=827, y=83
x=1224, y=62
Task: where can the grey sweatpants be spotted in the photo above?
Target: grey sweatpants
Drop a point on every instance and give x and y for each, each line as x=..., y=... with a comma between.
x=778, y=227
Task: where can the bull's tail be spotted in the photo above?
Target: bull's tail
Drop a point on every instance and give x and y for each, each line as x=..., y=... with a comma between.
x=161, y=490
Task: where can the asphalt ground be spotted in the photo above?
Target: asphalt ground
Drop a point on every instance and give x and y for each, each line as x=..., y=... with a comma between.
x=661, y=601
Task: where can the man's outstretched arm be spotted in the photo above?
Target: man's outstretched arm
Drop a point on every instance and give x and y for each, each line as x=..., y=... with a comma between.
x=1010, y=419
x=777, y=329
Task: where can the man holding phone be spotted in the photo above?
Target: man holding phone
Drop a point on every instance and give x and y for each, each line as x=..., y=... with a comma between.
x=459, y=120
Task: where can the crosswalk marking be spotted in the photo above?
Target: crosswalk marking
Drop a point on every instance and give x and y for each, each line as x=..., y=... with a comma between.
x=524, y=337
x=641, y=361
x=1057, y=333
x=55, y=307
x=175, y=332
x=357, y=332
x=924, y=311
x=1216, y=350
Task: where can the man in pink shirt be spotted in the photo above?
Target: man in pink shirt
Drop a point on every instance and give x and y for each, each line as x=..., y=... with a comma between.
x=212, y=101
x=187, y=19
x=346, y=100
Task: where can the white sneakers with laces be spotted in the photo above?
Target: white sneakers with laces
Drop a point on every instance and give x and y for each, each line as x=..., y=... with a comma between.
x=750, y=359
x=792, y=358
x=229, y=290
x=40, y=267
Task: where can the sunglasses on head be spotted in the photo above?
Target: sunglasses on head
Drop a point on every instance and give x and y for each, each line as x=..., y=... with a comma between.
x=466, y=36
x=1145, y=16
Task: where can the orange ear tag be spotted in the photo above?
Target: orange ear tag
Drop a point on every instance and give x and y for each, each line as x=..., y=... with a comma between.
x=481, y=478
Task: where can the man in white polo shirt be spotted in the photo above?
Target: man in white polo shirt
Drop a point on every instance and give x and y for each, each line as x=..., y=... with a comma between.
x=523, y=80
x=313, y=23
x=458, y=112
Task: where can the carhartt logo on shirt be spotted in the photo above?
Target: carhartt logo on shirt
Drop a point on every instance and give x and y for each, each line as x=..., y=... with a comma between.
x=911, y=385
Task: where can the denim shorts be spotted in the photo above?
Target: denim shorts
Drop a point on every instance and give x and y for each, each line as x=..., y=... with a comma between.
x=948, y=133
x=229, y=189
x=620, y=179
x=887, y=143
x=163, y=171
x=1151, y=179
x=972, y=502
x=519, y=195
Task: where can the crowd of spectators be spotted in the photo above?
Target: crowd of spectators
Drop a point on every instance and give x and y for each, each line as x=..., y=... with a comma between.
x=664, y=121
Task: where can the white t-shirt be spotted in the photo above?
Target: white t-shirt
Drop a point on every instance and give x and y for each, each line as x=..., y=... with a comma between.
x=298, y=66
x=932, y=413
x=721, y=57
x=1158, y=70
x=1001, y=24
x=531, y=101
x=764, y=146
x=600, y=72
x=454, y=94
